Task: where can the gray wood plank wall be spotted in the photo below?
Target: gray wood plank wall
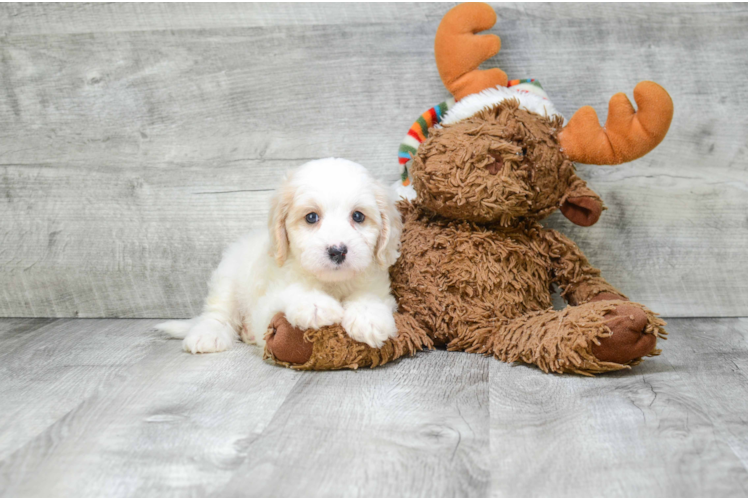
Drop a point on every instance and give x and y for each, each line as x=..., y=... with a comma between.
x=137, y=140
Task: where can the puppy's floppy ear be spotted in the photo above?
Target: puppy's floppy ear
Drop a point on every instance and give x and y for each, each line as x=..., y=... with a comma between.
x=388, y=244
x=279, y=208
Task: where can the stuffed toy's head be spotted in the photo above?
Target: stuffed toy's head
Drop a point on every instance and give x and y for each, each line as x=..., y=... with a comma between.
x=500, y=151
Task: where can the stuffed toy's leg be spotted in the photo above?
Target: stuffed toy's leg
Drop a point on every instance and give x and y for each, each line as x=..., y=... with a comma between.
x=596, y=337
x=330, y=348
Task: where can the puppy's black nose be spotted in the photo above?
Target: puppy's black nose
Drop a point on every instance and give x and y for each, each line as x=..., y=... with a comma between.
x=337, y=253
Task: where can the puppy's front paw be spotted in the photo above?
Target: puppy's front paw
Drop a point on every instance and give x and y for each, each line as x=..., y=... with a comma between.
x=321, y=310
x=209, y=335
x=369, y=323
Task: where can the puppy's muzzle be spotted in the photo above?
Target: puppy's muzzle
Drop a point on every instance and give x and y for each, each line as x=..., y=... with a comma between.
x=337, y=253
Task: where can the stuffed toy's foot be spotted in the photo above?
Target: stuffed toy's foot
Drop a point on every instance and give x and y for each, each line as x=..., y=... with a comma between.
x=330, y=347
x=630, y=339
x=287, y=342
x=595, y=337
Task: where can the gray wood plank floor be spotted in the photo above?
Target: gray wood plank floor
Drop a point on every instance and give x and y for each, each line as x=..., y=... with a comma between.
x=112, y=408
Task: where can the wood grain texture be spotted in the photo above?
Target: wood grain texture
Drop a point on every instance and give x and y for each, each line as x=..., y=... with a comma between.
x=664, y=428
x=417, y=427
x=110, y=408
x=139, y=140
x=713, y=358
x=33, y=370
x=634, y=436
x=96, y=18
x=172, y=424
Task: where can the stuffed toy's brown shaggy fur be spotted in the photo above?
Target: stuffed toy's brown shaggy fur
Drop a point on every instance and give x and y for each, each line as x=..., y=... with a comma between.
x=477, y=269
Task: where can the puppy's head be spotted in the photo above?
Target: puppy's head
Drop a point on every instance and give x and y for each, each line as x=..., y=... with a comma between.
x=335, y=220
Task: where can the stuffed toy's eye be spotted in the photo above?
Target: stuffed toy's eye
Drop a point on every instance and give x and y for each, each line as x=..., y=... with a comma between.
x=312, y=217
x=524, y=151
x=358, y=217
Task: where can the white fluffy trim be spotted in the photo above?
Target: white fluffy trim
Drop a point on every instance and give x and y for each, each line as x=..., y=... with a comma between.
x=474, y=103
x=404, y=192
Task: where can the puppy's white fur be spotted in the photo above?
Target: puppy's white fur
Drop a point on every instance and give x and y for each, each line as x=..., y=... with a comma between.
x=288, y=269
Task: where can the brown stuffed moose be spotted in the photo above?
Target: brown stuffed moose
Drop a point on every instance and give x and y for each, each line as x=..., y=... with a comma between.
x=477, y=269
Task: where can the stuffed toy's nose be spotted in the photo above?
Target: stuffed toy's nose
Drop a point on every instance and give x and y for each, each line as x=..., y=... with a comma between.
x=495, y=166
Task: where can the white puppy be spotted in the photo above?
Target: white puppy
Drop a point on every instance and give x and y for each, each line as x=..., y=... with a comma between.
x=334, y=231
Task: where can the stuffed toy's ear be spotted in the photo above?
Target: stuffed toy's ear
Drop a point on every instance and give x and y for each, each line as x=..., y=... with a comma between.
x=582, y=206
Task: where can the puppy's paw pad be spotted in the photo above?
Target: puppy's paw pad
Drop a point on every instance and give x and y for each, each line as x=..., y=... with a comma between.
x=370, y=325
x=322, y=311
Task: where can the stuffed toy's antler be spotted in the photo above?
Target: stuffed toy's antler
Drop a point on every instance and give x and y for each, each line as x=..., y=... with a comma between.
x=459, y=51
x=627, y=134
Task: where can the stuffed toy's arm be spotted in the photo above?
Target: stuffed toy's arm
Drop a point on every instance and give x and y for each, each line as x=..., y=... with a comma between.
x=580, y=282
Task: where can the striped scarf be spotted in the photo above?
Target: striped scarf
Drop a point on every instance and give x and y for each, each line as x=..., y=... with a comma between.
x=419, y=131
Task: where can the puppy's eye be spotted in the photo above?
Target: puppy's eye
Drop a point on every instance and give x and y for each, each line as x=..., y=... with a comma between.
x=358, y=217
x=312, y=217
